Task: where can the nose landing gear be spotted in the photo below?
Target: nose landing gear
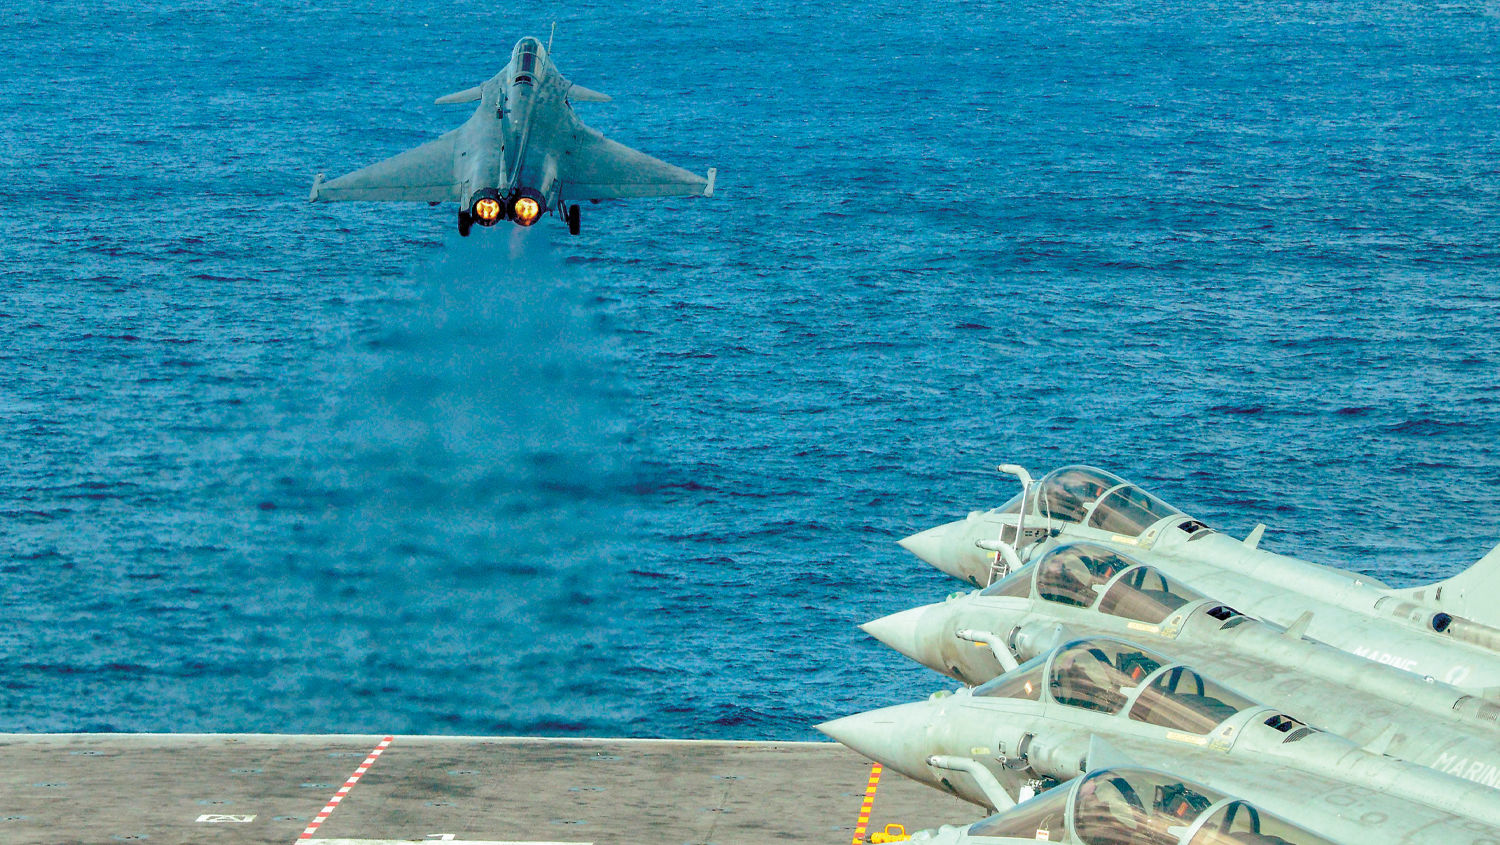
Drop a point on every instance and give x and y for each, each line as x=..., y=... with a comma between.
x=465, y=221
x=573, y=216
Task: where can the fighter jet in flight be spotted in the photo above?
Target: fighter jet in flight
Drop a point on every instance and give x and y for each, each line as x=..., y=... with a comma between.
x=1087, y=590
x=522, y=154
x=1126, y=804
x=1350, y=611
x=1097, y=703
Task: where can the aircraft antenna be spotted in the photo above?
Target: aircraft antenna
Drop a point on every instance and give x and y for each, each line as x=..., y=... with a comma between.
x=552, y=36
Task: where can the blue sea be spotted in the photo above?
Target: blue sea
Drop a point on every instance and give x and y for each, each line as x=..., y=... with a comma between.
x=273, y=466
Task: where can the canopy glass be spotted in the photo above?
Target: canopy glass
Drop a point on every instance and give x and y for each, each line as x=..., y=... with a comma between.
x=1095, y=674
x=1131, y=806
x=1145, y=595
x=1075, y=574
x=1093, y=497
x=1024, y=682
x=1081, y=574
x=524, y=55
x=1183, y=700
x=1103, y=675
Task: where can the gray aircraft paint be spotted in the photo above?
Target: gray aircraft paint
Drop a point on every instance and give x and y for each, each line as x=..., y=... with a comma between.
x=1352, y=612
x=1074, y=813
x=1312, y=778
x=522, y=140
x=1470, y=593
x=1401, y=714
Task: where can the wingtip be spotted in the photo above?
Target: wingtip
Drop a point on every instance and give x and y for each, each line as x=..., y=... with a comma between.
x=713, y=174
x=312, y=195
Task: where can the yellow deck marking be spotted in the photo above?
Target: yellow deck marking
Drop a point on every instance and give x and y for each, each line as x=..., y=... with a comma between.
x=864, y=809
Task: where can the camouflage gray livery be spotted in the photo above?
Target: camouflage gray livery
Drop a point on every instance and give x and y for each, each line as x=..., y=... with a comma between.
x=1085, y=590
x=1121, y=805
x=1099, y=702
x=1352, y=612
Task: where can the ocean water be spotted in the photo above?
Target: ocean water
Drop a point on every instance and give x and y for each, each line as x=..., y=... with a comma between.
x=270, y=466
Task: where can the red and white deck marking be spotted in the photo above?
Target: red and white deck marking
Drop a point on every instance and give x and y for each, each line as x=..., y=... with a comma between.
x=333, y=803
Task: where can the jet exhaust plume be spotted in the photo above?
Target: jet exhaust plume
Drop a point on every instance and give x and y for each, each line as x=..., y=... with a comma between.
x=456, y=496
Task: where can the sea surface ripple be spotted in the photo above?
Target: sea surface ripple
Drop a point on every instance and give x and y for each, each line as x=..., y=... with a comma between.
x=271, y=466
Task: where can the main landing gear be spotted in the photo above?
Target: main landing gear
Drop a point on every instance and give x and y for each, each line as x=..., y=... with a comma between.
x=573, y=219
x=465, y=221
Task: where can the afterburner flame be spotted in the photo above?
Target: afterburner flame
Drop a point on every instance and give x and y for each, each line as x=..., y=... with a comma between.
x=487, y=209
x=526, y=211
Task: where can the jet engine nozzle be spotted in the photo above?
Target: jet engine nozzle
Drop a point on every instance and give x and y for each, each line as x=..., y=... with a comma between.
x=486, y=207
x=526, y=207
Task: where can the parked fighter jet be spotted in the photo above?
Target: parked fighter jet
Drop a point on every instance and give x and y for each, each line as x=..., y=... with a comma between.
x=522, y=154
x=1122, y=805
x=1096, y=703
x=1350, y=611
x=1087, y=590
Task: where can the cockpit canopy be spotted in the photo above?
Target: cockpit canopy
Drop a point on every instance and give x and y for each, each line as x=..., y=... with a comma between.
x=1095, y=498
x=1085, y=575
x=1142, y=807
x=524, y=60
x=1145, y=595
x=1095, y=674
x=1106, y=675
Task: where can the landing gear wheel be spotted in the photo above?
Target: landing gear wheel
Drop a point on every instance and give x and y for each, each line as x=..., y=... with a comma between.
x=573, y=219
x=465, y=220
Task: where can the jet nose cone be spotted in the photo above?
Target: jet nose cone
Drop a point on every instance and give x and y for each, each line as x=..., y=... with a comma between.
x=932, y=546
x=927, y=545
x=903, y=632
x=891, y=736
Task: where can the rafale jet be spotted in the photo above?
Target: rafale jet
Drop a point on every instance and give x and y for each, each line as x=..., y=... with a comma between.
x=1112, y=632
x=1347, y=610
x=1101, y=702
x=1127, y=804
x=522, y=154
x=1085, y=590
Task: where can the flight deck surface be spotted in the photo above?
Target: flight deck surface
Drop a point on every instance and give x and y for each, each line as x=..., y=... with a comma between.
x=266, y=788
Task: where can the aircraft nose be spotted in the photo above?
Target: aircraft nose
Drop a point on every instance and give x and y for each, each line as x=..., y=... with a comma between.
x=927, y=545
x=933, y=547
x=892, y=736
x=906, y=633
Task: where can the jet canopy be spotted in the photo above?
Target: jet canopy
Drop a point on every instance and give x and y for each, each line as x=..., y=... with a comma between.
x=1115, y=677
x=1089, y=575
x=1095, y=498
x=524, y=60
x=1132, y=806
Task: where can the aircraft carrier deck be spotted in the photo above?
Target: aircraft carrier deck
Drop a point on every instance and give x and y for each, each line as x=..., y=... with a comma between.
x=266, y=788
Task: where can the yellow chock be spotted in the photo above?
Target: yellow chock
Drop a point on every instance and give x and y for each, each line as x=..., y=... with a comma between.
x=892, y=833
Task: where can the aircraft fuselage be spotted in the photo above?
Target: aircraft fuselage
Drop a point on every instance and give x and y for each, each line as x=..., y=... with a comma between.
x=496, y=158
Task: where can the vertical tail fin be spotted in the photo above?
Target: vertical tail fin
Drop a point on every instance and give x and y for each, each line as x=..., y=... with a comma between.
x=1473, y=593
